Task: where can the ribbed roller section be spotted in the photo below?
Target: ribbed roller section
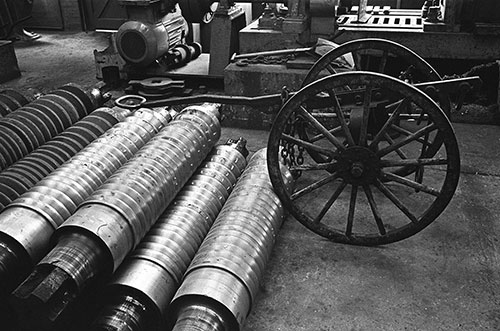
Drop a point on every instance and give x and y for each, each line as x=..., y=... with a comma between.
x=27, y=224
x=31, y=125
x=221, y=283
x=142, y=288
x=11, y=100
x=28, y=171
x=111, y=222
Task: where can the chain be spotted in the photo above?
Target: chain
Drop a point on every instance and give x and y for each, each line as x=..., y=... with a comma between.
x=288, y=149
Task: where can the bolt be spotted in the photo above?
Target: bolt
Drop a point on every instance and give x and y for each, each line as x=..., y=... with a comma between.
x=357, y=169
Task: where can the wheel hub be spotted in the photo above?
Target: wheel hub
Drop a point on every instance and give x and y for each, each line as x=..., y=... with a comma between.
x=358, y=165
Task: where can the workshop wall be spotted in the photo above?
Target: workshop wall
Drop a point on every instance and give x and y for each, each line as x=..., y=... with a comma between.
x=71, y=15
x=56, y=15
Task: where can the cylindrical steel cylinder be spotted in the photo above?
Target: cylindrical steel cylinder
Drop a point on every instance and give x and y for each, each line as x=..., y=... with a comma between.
x=145, y=283
x=25, y=173
x=33, y=124
x=27, y=224
x=142, y=43
x=221, y=282
x=11, y=100
x=112, y=221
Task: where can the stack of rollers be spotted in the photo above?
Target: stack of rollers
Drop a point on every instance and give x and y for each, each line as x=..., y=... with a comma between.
x=31, y=125
x=25, y=173
x=10, y=100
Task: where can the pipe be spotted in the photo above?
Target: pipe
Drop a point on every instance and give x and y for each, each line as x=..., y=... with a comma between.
x=222, y=281
x=27, y=224
x=139, y=293
x=94, y=241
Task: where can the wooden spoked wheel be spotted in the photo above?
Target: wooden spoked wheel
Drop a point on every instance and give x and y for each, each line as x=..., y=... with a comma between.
x=381, y=56
x=365, y=126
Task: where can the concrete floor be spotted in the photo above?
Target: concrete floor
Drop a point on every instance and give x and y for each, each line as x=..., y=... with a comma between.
x=447, y=277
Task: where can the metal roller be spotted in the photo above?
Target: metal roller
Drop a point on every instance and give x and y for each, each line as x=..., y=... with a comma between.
x=25, y=173
x=145, y=283
x=222, y=281
x=11, y=100
x=106, y=227
x=27, y=224
x=31, y=125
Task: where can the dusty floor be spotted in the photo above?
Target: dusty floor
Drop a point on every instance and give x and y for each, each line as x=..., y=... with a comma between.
x=447, y=277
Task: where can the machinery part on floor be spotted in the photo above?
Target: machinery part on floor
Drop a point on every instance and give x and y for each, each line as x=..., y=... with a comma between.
x=157, y=85
x=28, y=223
x=10, y=100
x=141, y=43
x=25, y=173
x=222, y=281
x=364, y=142
x=131, y=102
x=138, y=296
x=32, y=125
x=94, y=241
x=382, y=56
x=180, y=55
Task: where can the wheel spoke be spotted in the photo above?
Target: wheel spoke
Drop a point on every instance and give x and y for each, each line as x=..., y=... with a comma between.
x=337, y=143
x=412, y=162
x=313, y=186
x=412, y=137
x=383, y=61
x=419, y=172
x=329, y=166
x=410, y=183
x=341, y=117
x=352, y=208
x=394, y=116
x=357, y=60
x=395, y=200
x=366, y=113
x=374, y=208
x=330, y=202
x=331, y=69
x=321, y=136
x=391, y=142
x=408, y=133
x=308, y=145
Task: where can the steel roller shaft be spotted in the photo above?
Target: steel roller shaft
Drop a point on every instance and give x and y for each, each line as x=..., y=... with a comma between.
x=138, y=296
x=35, y=123
x=27, y=224
x=222, y=281
x=94, y=241
x=25, y=173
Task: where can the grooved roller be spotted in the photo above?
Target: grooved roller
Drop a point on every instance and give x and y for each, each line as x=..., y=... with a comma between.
x=222, y=281
x=143, y=286
x=28, y=171
x=111, y=222
x=11, y=100
x=27, y=224
x=33, y=124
